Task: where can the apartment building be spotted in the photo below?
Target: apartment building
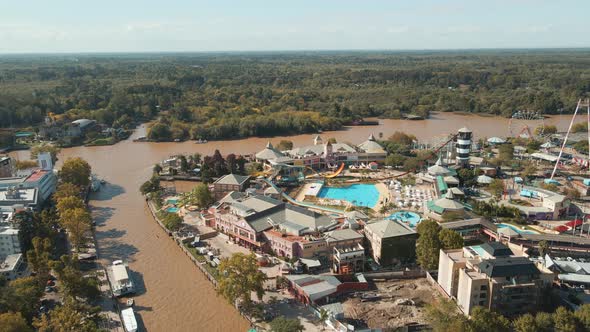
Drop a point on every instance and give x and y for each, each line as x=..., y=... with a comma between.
x=492, y=276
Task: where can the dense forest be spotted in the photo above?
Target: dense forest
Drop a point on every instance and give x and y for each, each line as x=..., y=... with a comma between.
x=234, y=95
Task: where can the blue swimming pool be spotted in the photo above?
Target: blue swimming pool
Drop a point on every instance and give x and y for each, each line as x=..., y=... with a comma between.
x=478, y=250
x=357, y=194
x=411, y=218
x=516, y=229
x=172, y=209
x=172, y=200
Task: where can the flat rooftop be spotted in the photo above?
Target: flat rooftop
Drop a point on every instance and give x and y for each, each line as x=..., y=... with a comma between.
x=10, y=262
x=36, y=175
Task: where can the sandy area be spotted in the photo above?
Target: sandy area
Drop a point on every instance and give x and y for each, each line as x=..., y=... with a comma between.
x=385, y=312
x=383, y=194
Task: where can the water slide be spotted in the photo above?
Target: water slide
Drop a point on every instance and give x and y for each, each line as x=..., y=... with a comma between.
x=304, y=204
x=335, y=174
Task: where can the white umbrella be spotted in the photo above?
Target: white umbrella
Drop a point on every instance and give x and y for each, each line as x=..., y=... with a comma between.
x=547, y=145
x=484, y=179
x=496, y=140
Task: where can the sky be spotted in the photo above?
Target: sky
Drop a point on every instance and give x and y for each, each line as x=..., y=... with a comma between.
x=43, y=26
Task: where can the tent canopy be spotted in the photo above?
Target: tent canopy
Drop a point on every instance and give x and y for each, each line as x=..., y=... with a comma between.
x=496, y=140
x=484, y=179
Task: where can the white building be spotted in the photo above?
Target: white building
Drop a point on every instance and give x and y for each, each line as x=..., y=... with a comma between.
x=13, y=267
x=34, y=185
x=9, y=244
x=492, y=276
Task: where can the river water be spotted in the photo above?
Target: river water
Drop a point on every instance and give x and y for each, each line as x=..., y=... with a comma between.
x=175, y=296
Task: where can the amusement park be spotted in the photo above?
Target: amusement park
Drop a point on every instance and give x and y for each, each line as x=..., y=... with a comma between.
x=339, y=209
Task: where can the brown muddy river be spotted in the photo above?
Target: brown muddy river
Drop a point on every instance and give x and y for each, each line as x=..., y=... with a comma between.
x=175, y=296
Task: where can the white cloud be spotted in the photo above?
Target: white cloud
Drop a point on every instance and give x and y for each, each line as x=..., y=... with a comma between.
x=539, y=28
x=398, y=29
x=464, y=29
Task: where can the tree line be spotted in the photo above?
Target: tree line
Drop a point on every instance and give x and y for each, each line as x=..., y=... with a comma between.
x=229, y=96
x=42, y=242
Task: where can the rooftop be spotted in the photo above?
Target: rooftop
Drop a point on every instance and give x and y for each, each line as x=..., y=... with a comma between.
x=389, y=228
x=10, y=262
x=343, y=235
x=232, y=179
x=36, y=175
x=508, y=267
x=315, y=286
x=120, y=272
x=496, y=249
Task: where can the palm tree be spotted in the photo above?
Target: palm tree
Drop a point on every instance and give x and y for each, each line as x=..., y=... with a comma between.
x=323, y=317
x=383, y=209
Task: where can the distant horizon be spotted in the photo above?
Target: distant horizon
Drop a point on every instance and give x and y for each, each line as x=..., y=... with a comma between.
x=279, y=51
x=147, y=26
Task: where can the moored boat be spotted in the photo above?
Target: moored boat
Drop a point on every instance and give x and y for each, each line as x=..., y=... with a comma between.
x=129, y=321
x=121, y=283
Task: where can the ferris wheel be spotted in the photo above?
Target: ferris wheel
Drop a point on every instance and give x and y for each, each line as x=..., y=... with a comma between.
x=527, y=124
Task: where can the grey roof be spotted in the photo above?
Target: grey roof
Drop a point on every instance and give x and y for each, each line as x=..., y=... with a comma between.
x=451, y=179
x=468, y=223
x=389, y=228
x=269, y=153
x=260, y=203
x=315, y=286
x=232, y=196
x=319, y=149
x=438, y=169
x=569, y=239
x=497, y=249
x=508, y=267
x=232, y=179
x=484, y=179
x=448, y=202
x=371, y=146
x=574, y=278
x=568, y=266
x=342, y=235
x=456, y=191
x=270, y=212
x=355, y=214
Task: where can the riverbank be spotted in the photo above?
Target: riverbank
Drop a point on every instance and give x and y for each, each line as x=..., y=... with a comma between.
x=200, y=264
x=173, y=287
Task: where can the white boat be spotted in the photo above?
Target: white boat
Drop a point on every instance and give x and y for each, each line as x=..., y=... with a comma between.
x=121, y=283
x=129, y=321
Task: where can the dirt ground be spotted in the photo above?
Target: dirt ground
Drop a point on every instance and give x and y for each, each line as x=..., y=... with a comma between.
x=392, y=309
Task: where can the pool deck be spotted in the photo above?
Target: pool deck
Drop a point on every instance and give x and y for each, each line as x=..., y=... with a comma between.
x=383, y=194
x=381, y=188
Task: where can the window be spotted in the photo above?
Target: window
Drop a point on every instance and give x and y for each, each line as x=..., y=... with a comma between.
x=482, y=295
x=483, y=287
x=481, y=303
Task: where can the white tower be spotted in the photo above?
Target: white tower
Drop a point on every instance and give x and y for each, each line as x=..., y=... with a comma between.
x=463, y=146
x=45, y=161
